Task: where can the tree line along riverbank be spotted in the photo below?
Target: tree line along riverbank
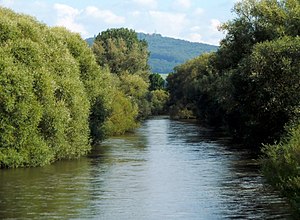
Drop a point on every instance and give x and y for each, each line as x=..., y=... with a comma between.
x=58, y=97
x=251, y=87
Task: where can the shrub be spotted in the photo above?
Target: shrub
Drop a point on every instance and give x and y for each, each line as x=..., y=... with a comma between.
x=281, y=165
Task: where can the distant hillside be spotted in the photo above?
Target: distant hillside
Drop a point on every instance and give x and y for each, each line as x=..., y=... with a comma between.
x=166, y=52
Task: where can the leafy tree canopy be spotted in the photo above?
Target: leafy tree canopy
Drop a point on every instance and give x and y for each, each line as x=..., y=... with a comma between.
x=49, y=82
x=156, y=82
x=251, y=84
x=122, y=51
x=127, y=57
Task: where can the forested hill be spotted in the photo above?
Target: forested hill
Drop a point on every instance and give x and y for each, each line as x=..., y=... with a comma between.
x=166, y=52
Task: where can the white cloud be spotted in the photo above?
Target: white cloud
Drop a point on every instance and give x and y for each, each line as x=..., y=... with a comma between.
x=66, y=11
x=204, y=32
x=67, y=18
x=182, y=4
x=146, y=3
x=211, y=34
x=195, y=28
x=106, y=15
x=199, y=11
x=40, y=4
x=186, y=21
x=215, y=24
x=135, y=13
x=170, y=24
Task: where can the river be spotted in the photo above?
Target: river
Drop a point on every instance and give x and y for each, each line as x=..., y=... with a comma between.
x=165, y=170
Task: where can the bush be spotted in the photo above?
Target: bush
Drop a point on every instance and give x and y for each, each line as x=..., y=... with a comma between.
x=281, y=165
x=49, y=82
x=97, y=82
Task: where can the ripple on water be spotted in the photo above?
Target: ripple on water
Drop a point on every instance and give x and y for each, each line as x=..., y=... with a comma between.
x=166, y=170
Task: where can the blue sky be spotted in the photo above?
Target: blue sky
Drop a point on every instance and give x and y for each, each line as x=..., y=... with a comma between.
x=193, y=20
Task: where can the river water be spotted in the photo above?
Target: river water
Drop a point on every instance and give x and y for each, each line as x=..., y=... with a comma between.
x=165, y=170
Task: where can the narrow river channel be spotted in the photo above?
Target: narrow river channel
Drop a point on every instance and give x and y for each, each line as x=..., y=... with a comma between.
x=165, y=170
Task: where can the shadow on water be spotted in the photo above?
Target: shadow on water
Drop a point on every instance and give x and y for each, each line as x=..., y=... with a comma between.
x=166, y=170
x=245, y=192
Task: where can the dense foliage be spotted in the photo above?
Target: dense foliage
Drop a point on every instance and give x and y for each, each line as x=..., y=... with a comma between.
x=127, y=58
x=122, y=51
x=159, y=99
x=251, y=85
x=55, y=100
x=44, y=106
x=97, y=82
x=281, y=165
x=156, y=82
x=57, y=97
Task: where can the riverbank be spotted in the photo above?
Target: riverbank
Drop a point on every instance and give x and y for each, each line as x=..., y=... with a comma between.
x=250, y=85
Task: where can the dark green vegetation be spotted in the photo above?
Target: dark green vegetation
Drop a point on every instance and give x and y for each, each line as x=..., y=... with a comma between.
x=158, y=95
x=166, y=52
x=281, y=165
x=251, y=86
x=156, y=82
x=57, y=97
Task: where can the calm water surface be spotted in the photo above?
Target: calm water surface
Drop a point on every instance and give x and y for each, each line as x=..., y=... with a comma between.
x=166, y=170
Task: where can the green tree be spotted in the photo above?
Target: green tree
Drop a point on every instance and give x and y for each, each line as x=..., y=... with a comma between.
x=122, y=51
x=49, y=83
x=192, y=90
x=270, y=97
x=251, y=86
x=126, y=57
x=221, y=89
x=158, y=100
x=96, y=80
x=257, y=22
x=156, y=82
x=123, y=116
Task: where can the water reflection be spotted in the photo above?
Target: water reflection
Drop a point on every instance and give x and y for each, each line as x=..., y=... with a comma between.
x=166, y=170
x=59, y=190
